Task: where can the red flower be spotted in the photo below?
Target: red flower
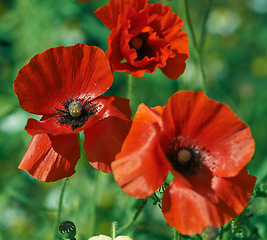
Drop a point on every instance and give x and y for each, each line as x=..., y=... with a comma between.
x=143, y=37
x=65, y=85
x=204, y=145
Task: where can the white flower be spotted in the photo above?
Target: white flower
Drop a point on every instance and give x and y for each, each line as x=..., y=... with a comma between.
x=103, y=237
x=100, y=237
x=122, y=238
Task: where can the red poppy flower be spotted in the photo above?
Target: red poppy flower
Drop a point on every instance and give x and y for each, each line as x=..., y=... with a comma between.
x=204, y=145
x=65, y=86
x=144, y=37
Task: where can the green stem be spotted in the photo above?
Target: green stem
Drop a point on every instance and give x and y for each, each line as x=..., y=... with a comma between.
x=139, y=209
x=204, y=29
x=196, y=237
x=176, y=235
x=196, y=47
x=220, y=231
x=226, y=232
x=79, y=139
x=93, y=205
x=227, y=235
x=188, y=18
x=60, y=203
x=113, y=230
x=130, y=87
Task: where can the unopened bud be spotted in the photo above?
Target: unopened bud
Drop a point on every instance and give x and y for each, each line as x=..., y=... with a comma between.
x=67, y=230
x=209, y=233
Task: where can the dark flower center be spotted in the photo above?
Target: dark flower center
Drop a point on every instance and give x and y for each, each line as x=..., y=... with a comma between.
x=139, y=43
x=75, y=112
x=185, y=157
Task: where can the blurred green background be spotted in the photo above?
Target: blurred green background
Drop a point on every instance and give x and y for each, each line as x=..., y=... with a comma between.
x=235, y=58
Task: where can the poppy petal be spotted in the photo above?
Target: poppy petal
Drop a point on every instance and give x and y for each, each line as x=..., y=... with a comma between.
x=139, y=168
x=175, y=66
x=104, y=140
x=62, y=72
x=162, y=42
x=233, y=194
x=212, y=125
x=117, y=52
x=200, y=182
x=119, y=108
x=161, y=48
x=235, y=191
x=51, y=158
x=109, y=14
x=164, y=21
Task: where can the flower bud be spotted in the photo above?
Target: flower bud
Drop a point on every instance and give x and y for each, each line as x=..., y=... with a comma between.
x=67, y=230
x=209, y=233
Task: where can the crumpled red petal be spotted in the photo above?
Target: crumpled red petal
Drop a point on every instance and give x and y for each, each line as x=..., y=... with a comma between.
x=190, y=212
x=62, y=72
x=165, y=21
x=109, y=14
x=138, y=168
x=119, y=108
x=167, y=43
x=117, y=52
x=175, y=66
x=51, y=158
x=213, y=125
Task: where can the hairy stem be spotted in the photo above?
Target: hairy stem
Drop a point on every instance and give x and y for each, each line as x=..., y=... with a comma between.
x=139, y=209
x=196, y=47
x=60, y=203
x=113, y=230
x=176, y=235
x=93, y=204
x=204, y=27
x=130, y=87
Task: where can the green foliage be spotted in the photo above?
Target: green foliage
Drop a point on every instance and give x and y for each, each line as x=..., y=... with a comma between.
x=235, y=61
